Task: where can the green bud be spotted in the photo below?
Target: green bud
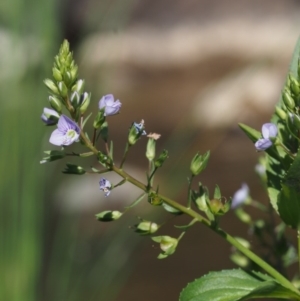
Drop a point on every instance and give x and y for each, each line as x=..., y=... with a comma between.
x=55, y=104
x=150, y=151
x=161, y=159
x=108, y=216
x=57, y=63
x=51, y=86
x=75, y=99
x=56, y=74
x=64, y=48
x=100, y=119
x=243, y=216
x=167, y=244
x=154, y=199
x=73, y=169
x=293, y=121
x=294, y=85
x=288, y=100
x=85, y=102
x=217, y=207
x=199, y=163
x=53, y=155
x=68, y=78
x=62, y=89
x=74, y=72
x=79, y=86
x=133, y=136
x=146, y=227
x=280, y=113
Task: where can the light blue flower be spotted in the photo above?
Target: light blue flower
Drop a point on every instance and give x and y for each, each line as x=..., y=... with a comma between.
x=269, y=130
x=66, y=133
x=140, y=127
x=240, y=196
x=50, y=116
x=111, y=106
x=105, y=186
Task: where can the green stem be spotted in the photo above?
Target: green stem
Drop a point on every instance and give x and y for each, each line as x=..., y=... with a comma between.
x=265, y=266
x=298, y=238
x=125, y=155
x=287, y=150
x=189, y=192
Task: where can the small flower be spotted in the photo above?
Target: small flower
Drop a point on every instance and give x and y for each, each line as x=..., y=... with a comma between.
x=240, y=196
x=111, y=106
x=140, y=127
x=49, y=116
x=66, y=133
x=269, y=130
x=105, y=186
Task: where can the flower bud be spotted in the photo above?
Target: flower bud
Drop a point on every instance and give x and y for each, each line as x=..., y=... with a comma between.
x=199, y=163
x=56, y=74
x=49, y=116
x=154, y=199
x=161, y=159
x=68, y=79
x=62, y=89
x=150, y=150
x=79, y=86
x=294, y=85
x=99, y=120
x=146, y=227
x=51, y=86
x=135, y=132
x=53, y=155
x=293, y=121
x=243, y=216
x=217, y=207
x=73, y=169
x=75, y=99
x=108, y=215
x=85, y=102
x=288, y=100
x=55, y=103
x=280, y=113
x=74, y=73
x=167, y=244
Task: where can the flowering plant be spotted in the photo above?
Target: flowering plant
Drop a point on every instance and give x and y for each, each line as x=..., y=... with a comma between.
x=278, y=169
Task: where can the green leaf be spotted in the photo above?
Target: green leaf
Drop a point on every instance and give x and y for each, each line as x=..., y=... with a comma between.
x=235, y=285
x=136, y=201
x=217, y=192
x=252, y=134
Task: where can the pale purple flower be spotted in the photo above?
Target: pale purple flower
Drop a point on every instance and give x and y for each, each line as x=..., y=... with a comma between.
x=105, y=186
x=66, y=133
x=269, y=130
x=50, y=116
x=112, y=107
x=240, y=196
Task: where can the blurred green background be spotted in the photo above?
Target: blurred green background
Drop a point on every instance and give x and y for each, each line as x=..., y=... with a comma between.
x=192, y=70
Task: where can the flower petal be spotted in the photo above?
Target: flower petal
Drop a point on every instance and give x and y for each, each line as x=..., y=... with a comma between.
x=269, y=130
x=240, y=196
x=263, y=144
x=65, y=124
x=57, y=137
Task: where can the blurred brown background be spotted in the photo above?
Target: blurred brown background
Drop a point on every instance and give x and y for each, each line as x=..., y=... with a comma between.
x=192, y=69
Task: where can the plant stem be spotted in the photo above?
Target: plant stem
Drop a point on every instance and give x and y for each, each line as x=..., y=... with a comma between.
x=125, y=155
x=298, y=238
x=189, y=192
x=260, y=262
